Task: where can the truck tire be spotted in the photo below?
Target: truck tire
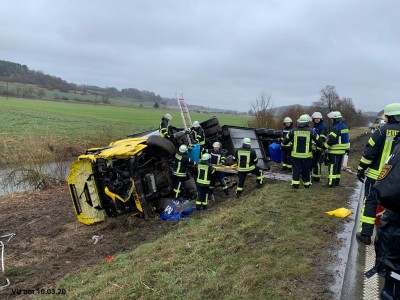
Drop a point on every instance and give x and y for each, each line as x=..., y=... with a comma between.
x=278, y=134
x=212, y=130
x=261, y=131
x=161, y=143
x=209, y=123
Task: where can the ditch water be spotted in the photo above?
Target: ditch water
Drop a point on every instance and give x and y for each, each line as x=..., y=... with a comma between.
x=55, y=171
x=344, y=267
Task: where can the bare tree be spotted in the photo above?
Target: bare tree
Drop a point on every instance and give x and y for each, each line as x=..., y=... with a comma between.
x=262, y=109
x=294, y=113
x=328, y=101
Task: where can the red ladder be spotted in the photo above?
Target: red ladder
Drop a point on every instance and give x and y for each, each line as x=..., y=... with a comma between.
x=187, y=121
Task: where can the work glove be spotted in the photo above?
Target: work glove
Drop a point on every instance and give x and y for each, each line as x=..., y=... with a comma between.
x=361, y=175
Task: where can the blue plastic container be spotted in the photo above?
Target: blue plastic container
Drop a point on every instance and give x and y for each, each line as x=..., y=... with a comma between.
x=275, y=152
x=194, y=153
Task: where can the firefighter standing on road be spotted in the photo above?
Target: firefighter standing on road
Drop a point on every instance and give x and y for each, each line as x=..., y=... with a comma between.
x=375, y=155
x=246, y=159
x=287, y=149
x=164, y=127
x=387, y=246
x=180, y=164
x=218, y=158
x=338, y=143
x=318, y=157
x=204, y=173
x=302, y=137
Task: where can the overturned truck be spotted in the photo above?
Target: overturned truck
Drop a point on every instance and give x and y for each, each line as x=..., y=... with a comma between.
x=134, y=175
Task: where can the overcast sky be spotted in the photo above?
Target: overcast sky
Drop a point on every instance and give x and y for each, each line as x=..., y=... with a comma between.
x=221, y=54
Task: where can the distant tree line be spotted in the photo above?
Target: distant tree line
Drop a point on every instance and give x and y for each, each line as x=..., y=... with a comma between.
x=16, y=73
x=262, y=109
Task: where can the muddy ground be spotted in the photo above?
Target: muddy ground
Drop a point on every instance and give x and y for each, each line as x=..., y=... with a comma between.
x=49, y=242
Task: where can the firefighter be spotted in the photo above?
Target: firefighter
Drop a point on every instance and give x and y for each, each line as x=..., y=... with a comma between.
x=165, y=130
x=318, y=158
x=376, y=153
x=217, y=157
x=204, y=173
x=198, y=136
x=180, y=164
x=302, y=137
x=287, y=149
x=338, y=144
x=387, y=246
x=247, y=159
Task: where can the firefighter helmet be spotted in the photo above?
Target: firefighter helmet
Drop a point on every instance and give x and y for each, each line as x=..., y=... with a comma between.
x=168, y=116
x=196, y=124
x=316, y=115
x=205, y=157
x=246, y=141
x=216, y=145
x=304, y=119
x=287, y=120
x=392, y=109
x=183, y=148
x=335, y=115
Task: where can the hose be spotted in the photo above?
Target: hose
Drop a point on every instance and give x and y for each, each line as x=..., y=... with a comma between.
x=10, y=235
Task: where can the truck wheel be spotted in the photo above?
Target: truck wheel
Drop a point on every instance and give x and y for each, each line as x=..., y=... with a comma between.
x=212, y=130
x=261, y=132
x=278, y=134
x=209, y=123
x=162, y=143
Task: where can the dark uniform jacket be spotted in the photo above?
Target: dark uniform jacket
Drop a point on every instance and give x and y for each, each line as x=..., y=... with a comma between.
x=338, y=140
x=204, y=173
x=198, y=135
x=246, y=159
x=301, y=139
x=180, y=164
x=217, y=157
x=285, y=131
x=378, y=149
x=164, y=127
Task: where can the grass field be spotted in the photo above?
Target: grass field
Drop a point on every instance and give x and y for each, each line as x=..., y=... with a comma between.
x=80, y=125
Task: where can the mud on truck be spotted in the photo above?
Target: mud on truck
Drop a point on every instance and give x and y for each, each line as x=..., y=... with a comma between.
x=134, y=175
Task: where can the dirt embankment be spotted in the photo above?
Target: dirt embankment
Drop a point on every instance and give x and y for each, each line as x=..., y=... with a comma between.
x=49, y=242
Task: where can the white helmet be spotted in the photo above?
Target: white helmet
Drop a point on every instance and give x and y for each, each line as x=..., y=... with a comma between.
x=304, y=119
x=246, y=141
x=183, y=148
x=196, y=124
x=168, y=116
x=205, y=157
x=334, y=115
x=287, y=120
x=316, y=115
x=216, y=145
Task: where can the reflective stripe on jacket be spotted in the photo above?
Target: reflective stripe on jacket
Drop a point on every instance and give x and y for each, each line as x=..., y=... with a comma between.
x=163, y=128
x=302, y=138
x=246, y=159
x=204, y=172
x=338, y=141
x=181, y=162
x=378, y=149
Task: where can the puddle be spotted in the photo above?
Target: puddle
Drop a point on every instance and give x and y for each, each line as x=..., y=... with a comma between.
x=56, y=170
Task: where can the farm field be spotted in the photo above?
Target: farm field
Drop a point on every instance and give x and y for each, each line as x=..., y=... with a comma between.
x=71, y=125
